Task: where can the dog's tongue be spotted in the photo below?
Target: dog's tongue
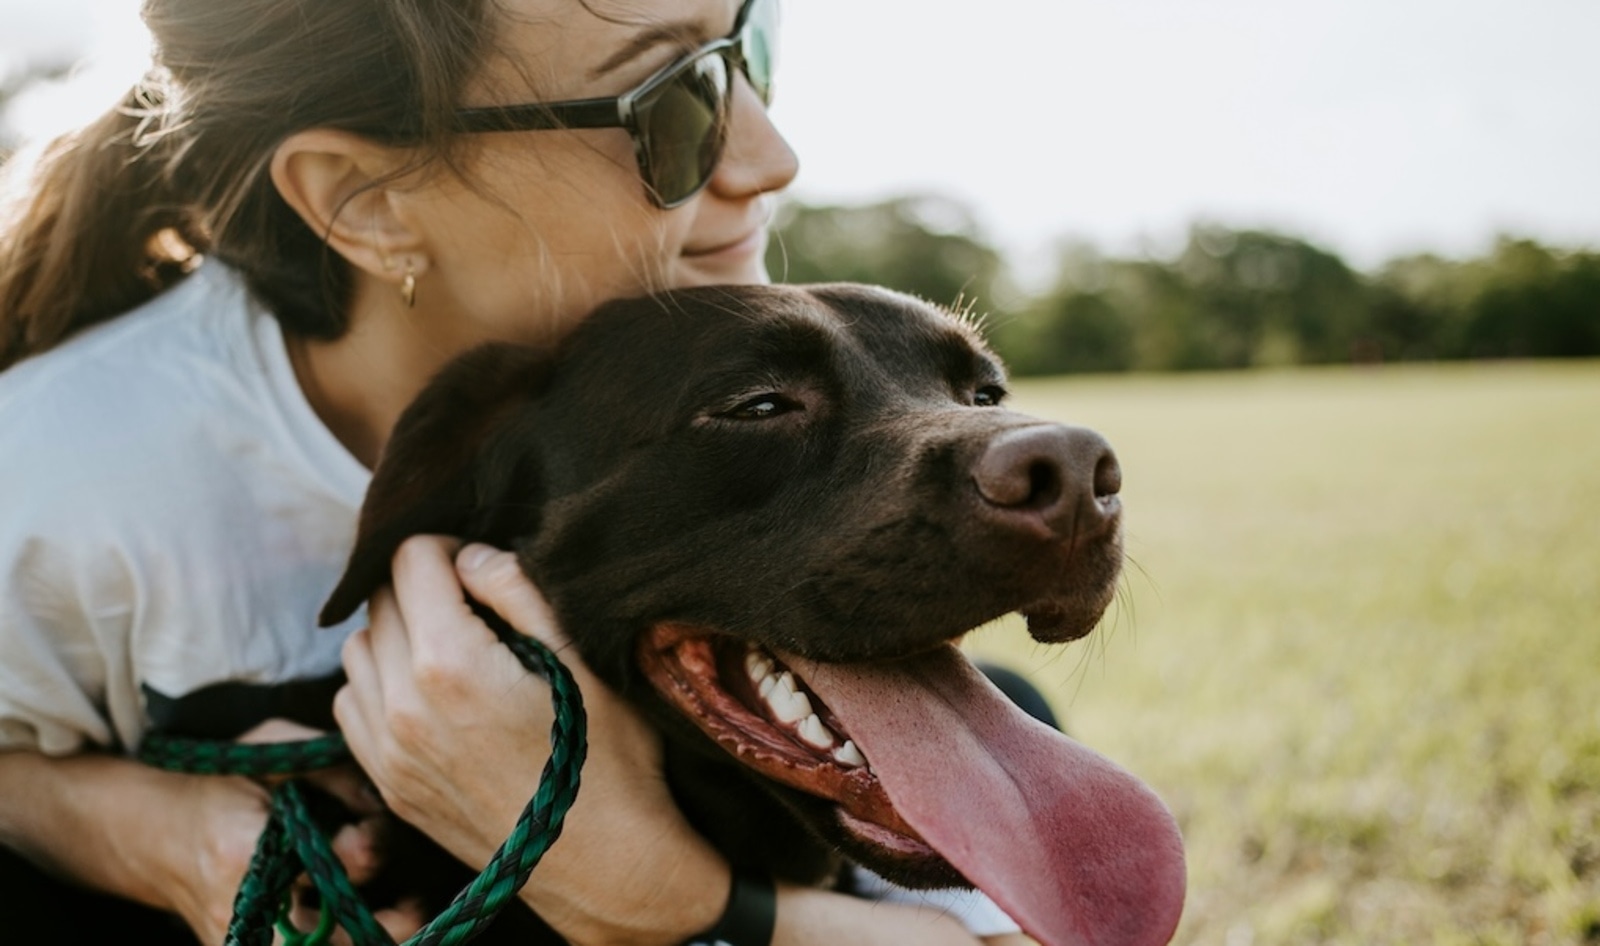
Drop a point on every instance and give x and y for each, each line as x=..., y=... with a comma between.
x=1077, y=851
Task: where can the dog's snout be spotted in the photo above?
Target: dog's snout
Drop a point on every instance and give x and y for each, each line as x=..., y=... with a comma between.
x=1107, y=475
x=1064, y=478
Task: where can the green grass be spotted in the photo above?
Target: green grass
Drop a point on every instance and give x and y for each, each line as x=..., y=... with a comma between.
x=1358, y=647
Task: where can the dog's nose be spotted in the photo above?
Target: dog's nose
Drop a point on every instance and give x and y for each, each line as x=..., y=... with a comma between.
x=1065, y=478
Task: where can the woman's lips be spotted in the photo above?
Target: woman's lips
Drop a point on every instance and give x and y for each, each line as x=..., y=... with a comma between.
x=739, y=247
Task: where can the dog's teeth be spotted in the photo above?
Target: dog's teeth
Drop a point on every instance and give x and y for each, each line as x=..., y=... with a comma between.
x=816, y=734
x=786, y=682
x=788, y=704
x=758, y=666
x=789, y=707
x=767, y=686
x=849, y=755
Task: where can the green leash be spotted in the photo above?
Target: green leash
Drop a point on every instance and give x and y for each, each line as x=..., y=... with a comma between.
x=292, y=844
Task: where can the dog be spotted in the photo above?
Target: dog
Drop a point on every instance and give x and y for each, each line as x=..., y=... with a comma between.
x=764, y=514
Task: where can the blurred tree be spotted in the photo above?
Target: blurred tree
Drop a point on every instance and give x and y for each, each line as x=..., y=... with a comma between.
x=1262, y=298
x=1523, y=300
x=1418, y=308
x=924, y=245
x=1535, y=302
x=1230, y=299
x=1066, y=332
x=1075, y=327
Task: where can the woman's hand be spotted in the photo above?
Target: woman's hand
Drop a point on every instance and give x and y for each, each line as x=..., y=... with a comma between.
x=173, y=841
x=223, y=817
x=357, y=843
x=211, y=824
x=455, y=732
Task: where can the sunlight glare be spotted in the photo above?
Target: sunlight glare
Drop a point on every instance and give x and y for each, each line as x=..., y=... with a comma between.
x=114, y=57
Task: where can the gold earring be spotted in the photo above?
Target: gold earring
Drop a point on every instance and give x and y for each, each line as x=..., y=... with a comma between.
x=408, y=286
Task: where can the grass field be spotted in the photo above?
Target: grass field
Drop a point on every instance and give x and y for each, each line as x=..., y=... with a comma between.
x=1358, y=649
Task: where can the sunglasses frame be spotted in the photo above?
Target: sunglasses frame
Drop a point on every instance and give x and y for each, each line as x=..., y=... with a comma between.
x=629, y=109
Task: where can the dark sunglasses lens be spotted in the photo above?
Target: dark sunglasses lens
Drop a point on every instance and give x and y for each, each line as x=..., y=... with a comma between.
x=684, y=126
x=760, y=46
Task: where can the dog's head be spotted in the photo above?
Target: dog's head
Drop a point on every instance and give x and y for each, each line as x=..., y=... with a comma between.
x=764, y=514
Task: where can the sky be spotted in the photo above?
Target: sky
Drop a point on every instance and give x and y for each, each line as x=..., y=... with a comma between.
x=1372, y=127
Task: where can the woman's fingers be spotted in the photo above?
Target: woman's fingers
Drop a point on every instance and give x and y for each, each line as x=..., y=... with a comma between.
x=495, y=578
x=280, y=730
x=350, y=786
x=401, y=921
x=432, y=651
x=359, y=848
x=388, y=638
x=359, y=843
x=358, y=706
x=277, y=730
x=440, y=629
x=438, y=712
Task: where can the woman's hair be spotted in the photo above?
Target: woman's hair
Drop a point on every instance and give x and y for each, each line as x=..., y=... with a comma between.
x=115, y=212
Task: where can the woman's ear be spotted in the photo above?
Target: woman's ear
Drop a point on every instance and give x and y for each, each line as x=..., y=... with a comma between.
x=338, y=182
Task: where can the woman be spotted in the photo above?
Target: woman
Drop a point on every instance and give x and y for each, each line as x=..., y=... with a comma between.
x=192, y=439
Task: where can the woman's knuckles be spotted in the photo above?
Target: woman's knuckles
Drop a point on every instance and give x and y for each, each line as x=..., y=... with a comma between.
x=422, y=552
x=442, y=678
x=502, y=576
x=356, y=645
x=411, y=731
x=501, y=583
x=357, y=848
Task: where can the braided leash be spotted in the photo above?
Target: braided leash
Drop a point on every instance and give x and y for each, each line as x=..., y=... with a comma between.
x=292, y=844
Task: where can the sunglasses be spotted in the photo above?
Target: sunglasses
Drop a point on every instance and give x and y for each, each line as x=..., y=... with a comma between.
x=678, y=118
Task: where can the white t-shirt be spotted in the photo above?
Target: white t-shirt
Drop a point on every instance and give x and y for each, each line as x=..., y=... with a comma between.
x=971, y=908
x=172, y=516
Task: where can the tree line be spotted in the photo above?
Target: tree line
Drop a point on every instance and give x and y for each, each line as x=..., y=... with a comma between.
x=1230, y=298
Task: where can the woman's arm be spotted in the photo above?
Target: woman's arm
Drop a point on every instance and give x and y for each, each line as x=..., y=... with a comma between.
x=176, y=842
x=179, y=843
x=454, y=732
x=812, y=917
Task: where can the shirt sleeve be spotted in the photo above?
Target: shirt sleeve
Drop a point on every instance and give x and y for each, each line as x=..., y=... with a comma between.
x=65, y=605
x=53, y=669
x=972, y=908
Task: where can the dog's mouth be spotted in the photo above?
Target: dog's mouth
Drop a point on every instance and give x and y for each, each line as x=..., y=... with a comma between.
x=752, y=704
x=934, y=773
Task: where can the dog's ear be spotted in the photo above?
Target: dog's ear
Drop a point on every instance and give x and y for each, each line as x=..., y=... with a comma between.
x=433, y=478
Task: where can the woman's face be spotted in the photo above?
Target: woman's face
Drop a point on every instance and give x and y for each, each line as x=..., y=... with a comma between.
x=549, y=224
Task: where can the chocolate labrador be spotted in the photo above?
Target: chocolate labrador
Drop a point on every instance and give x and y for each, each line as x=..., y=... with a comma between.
x=764, y=514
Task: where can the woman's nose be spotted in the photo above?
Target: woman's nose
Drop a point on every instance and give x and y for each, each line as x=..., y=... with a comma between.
x=757, y=159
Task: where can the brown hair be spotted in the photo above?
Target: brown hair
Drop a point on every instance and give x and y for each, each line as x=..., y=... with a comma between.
x=117, y=209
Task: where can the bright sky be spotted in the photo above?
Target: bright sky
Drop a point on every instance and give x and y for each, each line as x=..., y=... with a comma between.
x=1372, y=126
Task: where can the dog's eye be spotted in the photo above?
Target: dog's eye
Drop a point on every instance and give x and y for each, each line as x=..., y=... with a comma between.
x=990, y=395
x=762, y=407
